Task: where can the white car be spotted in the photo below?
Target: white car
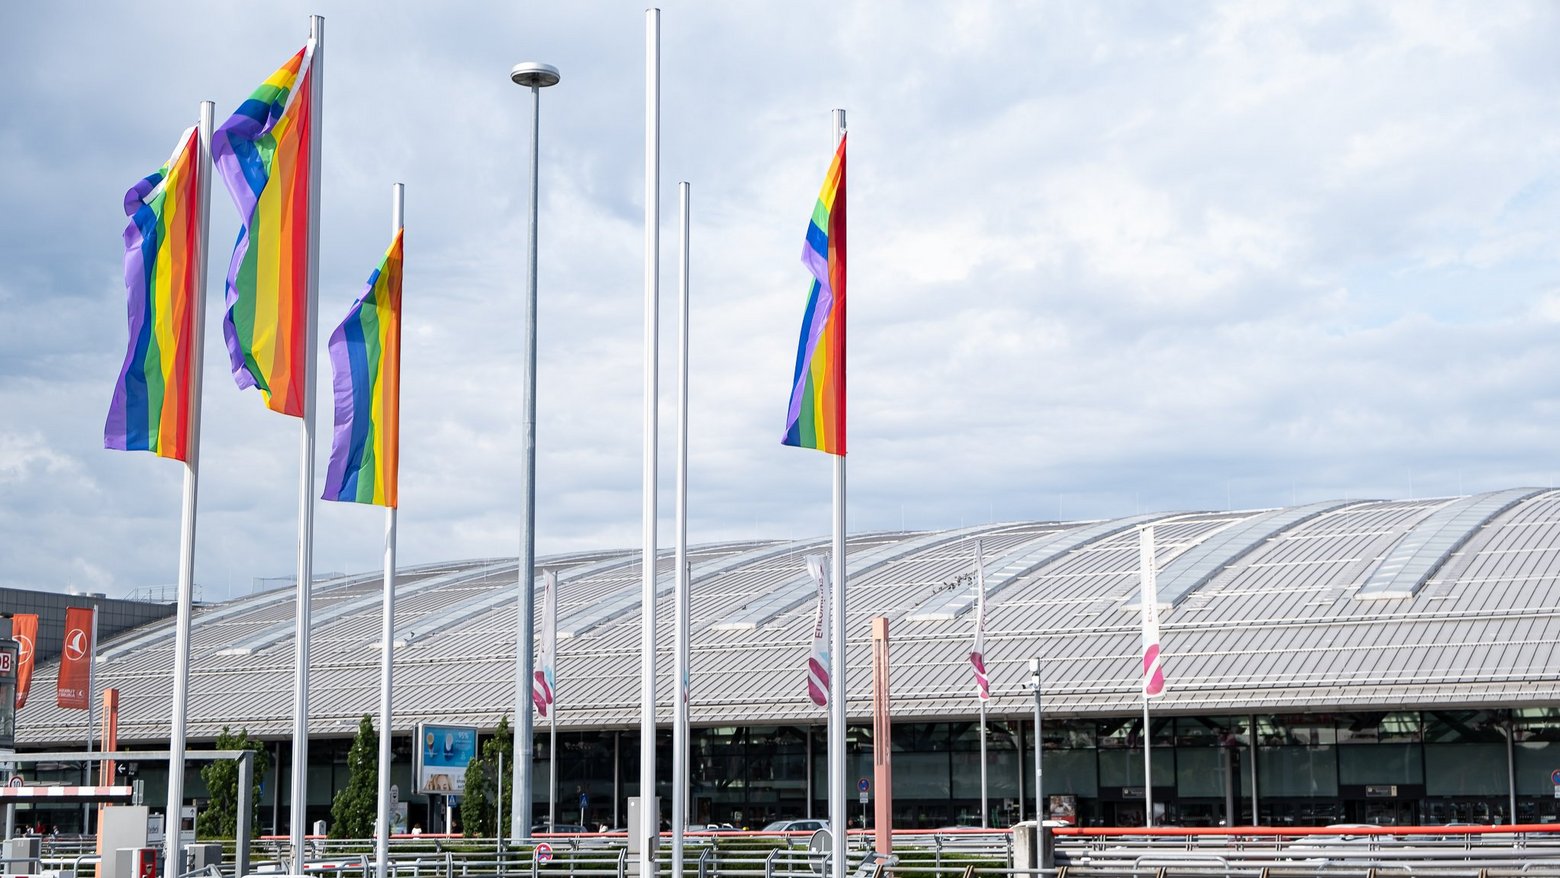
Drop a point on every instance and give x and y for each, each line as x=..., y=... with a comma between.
x=796, y=826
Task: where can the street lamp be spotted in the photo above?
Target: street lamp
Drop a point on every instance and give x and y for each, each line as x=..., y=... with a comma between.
x=1034, y=683
x=535, y=76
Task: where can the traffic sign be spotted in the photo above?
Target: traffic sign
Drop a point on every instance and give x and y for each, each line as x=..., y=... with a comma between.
x=865, y=785
x=1554, y=776
x=15, y=781
x=543, y=852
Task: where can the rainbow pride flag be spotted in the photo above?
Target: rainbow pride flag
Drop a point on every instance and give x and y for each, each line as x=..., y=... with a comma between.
x=262, y=152
x=817, y=414
x=150, y=410
x=365, y=360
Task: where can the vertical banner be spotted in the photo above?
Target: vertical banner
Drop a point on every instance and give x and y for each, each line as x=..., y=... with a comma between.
x=1153, y=673
x=76, y=660
x=24, y=630
x=818, y=660
x=978, y=651
x=547, y=656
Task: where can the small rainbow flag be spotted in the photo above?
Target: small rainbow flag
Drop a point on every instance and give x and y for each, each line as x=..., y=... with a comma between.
x=817, y=415
x=150, y=410
x=365, y=360
x=263, y=154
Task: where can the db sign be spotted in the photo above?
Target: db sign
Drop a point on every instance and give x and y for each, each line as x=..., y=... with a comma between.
x=7, y=663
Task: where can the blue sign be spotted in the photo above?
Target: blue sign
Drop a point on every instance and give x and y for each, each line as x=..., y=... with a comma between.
x=584, y=801
x=863, y=785
x=442, y=755
x=1555, y=776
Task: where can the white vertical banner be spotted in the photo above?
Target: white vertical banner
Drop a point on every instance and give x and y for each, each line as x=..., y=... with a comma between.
x=818, y=660
x=542, y=683
x=1153, y=673
x=978, y=651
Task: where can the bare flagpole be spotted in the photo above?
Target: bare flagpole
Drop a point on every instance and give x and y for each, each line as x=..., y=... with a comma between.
x=649, y=819
x=387, y=627
x=680, y=599
x=837, y=800
x=299, y=806
x=186, y=596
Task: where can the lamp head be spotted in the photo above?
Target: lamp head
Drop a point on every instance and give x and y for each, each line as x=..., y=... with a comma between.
x=534, y=74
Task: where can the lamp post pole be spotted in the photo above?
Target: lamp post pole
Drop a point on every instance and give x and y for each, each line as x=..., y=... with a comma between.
x=535, y=76
x=1034, y=683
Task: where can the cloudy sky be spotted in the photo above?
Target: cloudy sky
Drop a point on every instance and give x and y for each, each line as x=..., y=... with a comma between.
x=1105, y=258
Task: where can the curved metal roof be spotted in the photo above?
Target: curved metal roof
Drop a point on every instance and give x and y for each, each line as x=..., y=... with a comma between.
x=1271, y=621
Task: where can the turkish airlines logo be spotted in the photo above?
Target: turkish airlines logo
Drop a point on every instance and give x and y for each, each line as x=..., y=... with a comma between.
x=76, y=645
x=24, y=648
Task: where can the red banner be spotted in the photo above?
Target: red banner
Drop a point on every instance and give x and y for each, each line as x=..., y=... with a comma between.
x=24, y=628
x=76, y=660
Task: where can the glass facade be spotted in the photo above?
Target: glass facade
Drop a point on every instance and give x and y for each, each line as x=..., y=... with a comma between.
x=1397, y=767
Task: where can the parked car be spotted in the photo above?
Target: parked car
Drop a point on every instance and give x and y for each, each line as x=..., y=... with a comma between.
x=561, y=828
x=808, y=825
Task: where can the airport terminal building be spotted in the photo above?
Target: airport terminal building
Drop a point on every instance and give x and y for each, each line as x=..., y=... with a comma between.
x=1342, y=661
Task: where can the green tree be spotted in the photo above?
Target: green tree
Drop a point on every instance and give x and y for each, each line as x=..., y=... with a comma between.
x=484, y=778
x=220, y=817
x=352, y=813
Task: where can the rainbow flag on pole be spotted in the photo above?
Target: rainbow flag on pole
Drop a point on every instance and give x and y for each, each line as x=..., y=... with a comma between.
x=365, y=360
x=817, y=414
x=262, y=152
x=152, y=400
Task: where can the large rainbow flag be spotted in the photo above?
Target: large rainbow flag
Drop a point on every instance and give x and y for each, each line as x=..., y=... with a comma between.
x=150, y=410
x=365, y=359
x=817, y=415
x=262, y=152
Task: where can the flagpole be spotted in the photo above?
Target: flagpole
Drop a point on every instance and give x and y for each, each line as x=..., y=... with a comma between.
x=680, y=600
x=298, y=807
x=86, y=807
x=982, y=684
x=181, y=637
x=649, y=818
x=387, y=621
x=837, y=675
x=1149, y=596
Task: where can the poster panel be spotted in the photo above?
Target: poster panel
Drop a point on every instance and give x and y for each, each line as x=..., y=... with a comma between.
x=442, y=755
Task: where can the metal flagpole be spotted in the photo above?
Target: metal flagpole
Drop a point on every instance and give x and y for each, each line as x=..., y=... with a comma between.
x=549, y=672
x=387, y=626
x=837, y=802
x=985, y=812
x=982, y=683
x=86, y=807
x=181, y=637
x=300, y=751
x=1148, y=772
x=680, y=600
x=1150, y=601
x=536, y=76
x=648, y=814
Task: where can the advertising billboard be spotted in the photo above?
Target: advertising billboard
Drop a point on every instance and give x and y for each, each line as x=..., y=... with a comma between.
x=442, y=755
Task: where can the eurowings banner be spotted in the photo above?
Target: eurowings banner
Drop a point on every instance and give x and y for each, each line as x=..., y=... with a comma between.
x=1153, y=671
x=24, y=629
x=818, y=662
x=978, y=651
x=76, y=660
